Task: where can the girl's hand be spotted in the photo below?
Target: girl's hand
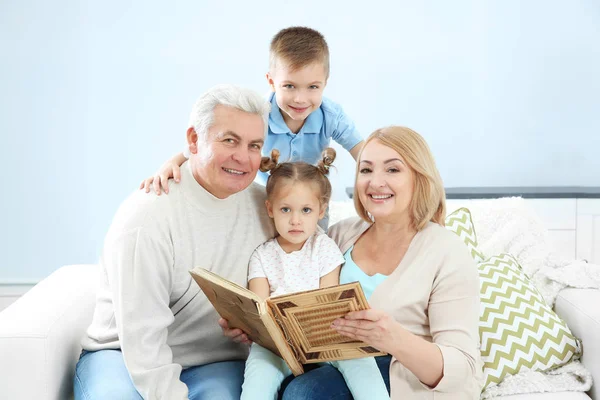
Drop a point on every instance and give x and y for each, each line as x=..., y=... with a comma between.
x=374, y=327
x=237, y=335
x=170, y=169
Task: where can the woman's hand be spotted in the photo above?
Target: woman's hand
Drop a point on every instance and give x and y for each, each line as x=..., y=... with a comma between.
x=237, y=335
x=373, y=327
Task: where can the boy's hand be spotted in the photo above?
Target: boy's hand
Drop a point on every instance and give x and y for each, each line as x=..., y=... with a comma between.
x=168, y=170
x=237, y=335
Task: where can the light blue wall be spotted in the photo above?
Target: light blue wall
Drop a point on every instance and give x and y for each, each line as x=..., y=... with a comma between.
x=94, y=96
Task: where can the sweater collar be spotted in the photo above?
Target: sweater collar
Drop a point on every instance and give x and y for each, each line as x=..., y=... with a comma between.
x=199, y=195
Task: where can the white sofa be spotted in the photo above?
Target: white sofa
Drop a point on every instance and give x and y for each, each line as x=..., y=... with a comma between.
x=40, y=335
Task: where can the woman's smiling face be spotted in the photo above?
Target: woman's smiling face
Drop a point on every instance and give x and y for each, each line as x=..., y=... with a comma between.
x=385, y=182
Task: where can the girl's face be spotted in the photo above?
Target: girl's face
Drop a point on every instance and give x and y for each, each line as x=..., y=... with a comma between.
x=296, y=209
x=384, y=183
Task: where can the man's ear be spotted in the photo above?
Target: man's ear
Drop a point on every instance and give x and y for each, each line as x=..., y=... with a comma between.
x=270, y=81
x=269, y=208
x=192, y=139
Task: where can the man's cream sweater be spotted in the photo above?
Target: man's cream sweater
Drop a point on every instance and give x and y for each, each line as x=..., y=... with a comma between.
x=148, y=305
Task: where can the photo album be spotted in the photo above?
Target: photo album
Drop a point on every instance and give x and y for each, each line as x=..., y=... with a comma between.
x=296, y=326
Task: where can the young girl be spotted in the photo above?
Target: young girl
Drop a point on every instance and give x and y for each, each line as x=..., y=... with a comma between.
x=299, y=258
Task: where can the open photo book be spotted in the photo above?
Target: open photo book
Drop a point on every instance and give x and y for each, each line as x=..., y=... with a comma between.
x=294, y=326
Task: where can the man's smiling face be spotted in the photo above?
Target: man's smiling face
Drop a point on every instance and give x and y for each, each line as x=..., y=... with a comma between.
x=227, y=159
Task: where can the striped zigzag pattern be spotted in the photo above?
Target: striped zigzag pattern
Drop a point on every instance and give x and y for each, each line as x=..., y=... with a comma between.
x=461, y=223
x=518, y=330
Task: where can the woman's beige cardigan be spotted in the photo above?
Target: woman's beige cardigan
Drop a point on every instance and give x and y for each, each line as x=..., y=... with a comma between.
x=433, y=293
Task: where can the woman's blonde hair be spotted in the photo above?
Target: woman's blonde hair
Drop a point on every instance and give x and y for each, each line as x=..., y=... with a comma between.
x=429, y=198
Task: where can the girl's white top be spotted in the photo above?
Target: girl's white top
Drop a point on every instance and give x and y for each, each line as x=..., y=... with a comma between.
x=296, y=271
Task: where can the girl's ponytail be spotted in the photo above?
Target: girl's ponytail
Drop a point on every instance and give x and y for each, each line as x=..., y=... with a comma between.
x=270, y=163
x=328, y=157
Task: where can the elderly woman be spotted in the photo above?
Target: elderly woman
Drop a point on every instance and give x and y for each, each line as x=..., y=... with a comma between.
x=425, y=308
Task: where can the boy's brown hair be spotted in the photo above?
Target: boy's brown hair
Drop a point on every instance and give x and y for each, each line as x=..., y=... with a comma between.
x=298, y=47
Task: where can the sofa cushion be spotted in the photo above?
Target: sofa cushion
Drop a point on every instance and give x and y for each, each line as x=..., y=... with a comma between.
x=40, y=334
x=518, y=330
x=461, y=223
x=547, y=396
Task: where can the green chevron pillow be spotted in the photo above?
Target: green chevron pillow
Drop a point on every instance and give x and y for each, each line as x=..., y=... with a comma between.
x=461, y=223
x=518, y=330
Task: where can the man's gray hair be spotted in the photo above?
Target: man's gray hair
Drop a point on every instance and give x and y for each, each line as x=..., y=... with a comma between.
x=247, y=100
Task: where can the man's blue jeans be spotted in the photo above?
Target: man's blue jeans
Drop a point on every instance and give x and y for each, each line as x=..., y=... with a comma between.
x=103, y=375
x=326, y=383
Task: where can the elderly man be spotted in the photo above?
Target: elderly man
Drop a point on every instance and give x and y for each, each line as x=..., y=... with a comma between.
x=154, y=334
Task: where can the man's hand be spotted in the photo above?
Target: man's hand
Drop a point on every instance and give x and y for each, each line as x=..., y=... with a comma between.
x=237, y=335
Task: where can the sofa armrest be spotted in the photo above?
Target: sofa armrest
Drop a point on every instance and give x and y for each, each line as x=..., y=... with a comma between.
x=40, y=334
x=579, y=309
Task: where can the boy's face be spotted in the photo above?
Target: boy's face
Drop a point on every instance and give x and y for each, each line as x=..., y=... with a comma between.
x=298, y=92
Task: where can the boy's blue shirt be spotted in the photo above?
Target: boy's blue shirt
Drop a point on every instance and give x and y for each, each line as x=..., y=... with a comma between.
x=325, y=123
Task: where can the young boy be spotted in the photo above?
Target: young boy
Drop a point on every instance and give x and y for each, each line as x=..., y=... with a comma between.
x=302, y=122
